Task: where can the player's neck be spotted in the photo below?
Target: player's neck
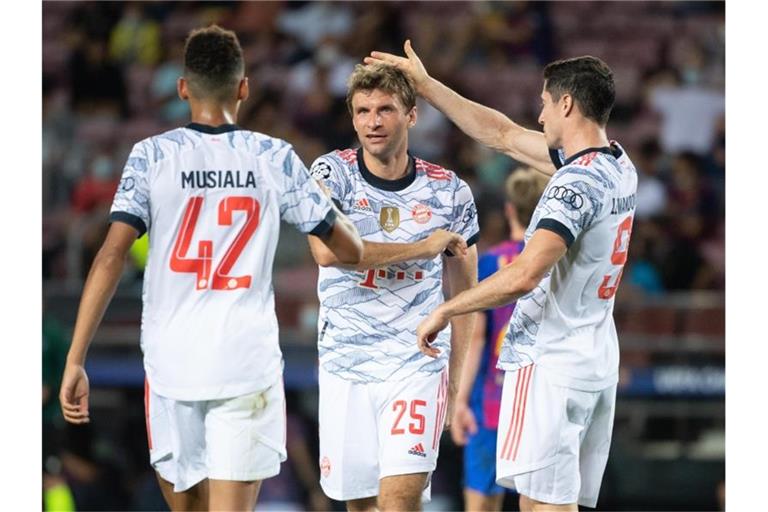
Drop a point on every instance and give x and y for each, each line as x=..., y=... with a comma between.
x=393, y=168
x=213, y=114
x=584, y=135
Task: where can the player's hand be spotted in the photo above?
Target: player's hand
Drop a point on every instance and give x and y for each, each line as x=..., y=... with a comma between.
x=74, y=394
x=464, y=423
x=427, y=331
x=411, y=65
x=441, y=240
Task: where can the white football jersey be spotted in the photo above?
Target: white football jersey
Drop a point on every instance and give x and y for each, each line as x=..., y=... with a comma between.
x=211, y=200
x=368, y=320
x=566, y=323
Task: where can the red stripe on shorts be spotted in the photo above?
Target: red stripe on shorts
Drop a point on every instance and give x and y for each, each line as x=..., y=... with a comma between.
x=512, y=416
x=519, y=434
x=440, y=406
x=146, y=412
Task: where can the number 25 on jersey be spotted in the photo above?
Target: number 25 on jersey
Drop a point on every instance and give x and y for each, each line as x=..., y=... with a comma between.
x=201, y=265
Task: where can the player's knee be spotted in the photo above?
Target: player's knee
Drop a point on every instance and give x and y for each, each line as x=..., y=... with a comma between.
x=362, y=505
x=530, y=505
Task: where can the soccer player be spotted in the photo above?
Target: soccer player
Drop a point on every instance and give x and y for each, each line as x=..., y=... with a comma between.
x=561, y=352
x=476, y=414
x=383, y=404
x=211, y=196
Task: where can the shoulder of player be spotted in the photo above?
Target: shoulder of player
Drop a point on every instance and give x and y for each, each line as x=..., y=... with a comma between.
x=338, y=160
x=433, y=171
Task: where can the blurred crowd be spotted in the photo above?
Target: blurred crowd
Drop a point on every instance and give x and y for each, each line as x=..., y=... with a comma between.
x=109, y=80
x=110, y=70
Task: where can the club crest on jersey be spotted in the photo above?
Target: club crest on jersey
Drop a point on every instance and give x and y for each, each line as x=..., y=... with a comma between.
x=421, y=213
x=389, y=218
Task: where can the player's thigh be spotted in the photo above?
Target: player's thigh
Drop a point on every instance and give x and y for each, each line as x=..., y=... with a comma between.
x=349, y=467
x=193, y=499
x=245, y=436
x=530, y=505
x=480, y=464
x=595, y=447
x=477, y=501
x=402, y=492
x=231, y=495
x=411, y=420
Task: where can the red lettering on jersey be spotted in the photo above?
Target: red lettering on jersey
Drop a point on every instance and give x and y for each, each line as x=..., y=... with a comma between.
x=618, y=258
x=348, y=155
x=586, y=160
x=433, y=171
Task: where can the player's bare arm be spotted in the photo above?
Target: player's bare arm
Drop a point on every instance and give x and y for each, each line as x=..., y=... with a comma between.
x=376, y=254
x=486, y=125
x=542, y=251
x=342, y=242
x=99, y=288
x=461, y=274
x=464, y=422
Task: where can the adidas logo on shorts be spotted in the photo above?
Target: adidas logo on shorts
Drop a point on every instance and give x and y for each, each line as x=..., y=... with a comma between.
x=418, y=450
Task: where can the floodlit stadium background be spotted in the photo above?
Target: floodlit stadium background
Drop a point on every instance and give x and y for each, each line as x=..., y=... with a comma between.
x=109, y=72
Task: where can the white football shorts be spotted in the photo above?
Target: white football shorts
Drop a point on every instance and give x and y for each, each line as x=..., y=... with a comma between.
x=553, y=441
x=374, y=430
x=238, y=439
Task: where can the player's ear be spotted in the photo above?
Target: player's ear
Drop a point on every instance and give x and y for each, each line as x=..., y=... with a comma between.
x=243, y=90
x=182, y=89
x=566, y=104
x=412, y=116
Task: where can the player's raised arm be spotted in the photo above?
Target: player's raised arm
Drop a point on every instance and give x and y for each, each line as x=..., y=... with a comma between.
x=486, y=125
x=98, y=291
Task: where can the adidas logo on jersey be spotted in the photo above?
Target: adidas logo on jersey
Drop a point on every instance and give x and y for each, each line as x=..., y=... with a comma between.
x=362, y=205
x=418, y=450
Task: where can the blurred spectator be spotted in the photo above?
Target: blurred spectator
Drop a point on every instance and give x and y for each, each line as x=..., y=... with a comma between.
x=683, y=106
x=97, y=84
x=135, y=38
x=651, y=192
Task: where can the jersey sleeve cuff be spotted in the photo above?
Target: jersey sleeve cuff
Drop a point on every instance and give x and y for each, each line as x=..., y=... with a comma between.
x=325, y=225
x=470, y=242
x=132, y=220
x=557, y=227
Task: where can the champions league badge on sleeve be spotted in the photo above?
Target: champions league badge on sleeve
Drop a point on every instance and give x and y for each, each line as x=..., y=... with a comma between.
x=320, y=171
x=389, y=218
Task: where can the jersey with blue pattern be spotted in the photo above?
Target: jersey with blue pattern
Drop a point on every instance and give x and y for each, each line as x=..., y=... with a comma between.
x=566, y=323
x=368, y=320
x=211, y=200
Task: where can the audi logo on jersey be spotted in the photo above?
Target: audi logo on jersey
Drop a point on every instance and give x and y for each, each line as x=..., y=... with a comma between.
x=567, y=196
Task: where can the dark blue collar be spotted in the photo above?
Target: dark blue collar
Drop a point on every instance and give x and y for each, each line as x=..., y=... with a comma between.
x=381, y=183
x=213, y=130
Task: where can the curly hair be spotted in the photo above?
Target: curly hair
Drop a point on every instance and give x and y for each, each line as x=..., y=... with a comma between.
x=213, y=63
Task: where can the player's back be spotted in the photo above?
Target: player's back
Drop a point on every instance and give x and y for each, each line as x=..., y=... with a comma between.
x=212, y=200
x=566, y=323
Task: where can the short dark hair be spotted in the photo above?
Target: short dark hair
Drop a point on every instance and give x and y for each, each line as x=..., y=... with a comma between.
x=383, y=77
x=588, y=79
x=213, y=63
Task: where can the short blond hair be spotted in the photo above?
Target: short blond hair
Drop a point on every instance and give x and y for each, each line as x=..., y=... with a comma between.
x=522, y=190
x=383, y=77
